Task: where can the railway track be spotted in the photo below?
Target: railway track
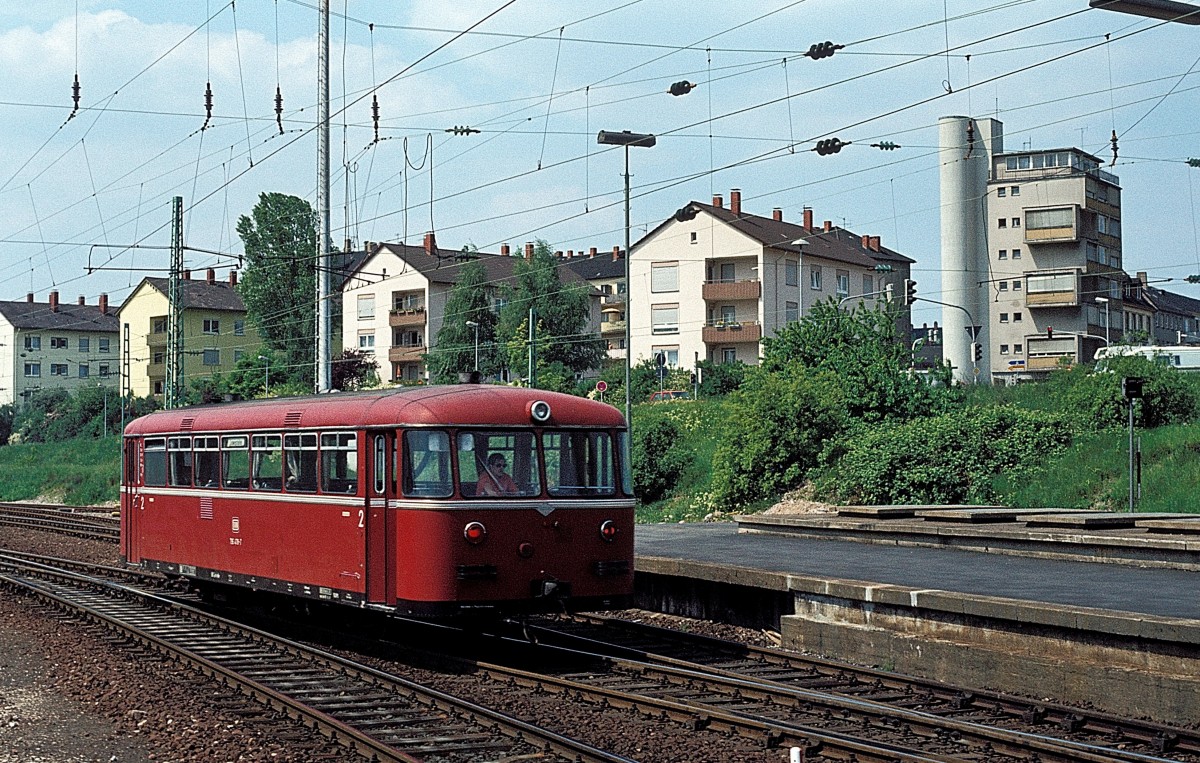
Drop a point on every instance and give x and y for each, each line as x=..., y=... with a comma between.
x=379, y=716
x=719, y=669
x=60, y=519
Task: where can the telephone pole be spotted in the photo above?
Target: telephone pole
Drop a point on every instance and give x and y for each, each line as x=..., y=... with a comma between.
x=174, y=381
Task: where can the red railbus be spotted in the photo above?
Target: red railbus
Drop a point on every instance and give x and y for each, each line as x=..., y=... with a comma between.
x=432, y=501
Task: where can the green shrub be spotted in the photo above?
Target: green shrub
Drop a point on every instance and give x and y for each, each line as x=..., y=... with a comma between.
x=952, y=458
x=1169, y=396
x=659, y=452
x=777, y=425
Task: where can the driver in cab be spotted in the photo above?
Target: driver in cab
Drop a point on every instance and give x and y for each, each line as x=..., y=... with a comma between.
x=494, y=481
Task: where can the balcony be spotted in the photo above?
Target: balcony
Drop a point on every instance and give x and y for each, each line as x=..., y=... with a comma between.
x=157, y=340
x=1052, y=225
x=614, y=300
x=726, y=291
x=406, y=353
x=1052, y=289
x=612, y=327
x=413, y=316
x=734, y=332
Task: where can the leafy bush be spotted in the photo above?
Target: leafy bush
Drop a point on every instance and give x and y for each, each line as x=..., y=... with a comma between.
x=777, y=426
x=660, y=453
x=1169, y=396
x=951, y=458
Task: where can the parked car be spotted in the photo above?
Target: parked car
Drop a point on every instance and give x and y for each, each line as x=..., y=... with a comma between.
x=668, y=395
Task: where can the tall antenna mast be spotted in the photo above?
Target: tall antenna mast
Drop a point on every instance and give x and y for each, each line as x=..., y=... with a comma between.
x=174, y=390
x=324, y=326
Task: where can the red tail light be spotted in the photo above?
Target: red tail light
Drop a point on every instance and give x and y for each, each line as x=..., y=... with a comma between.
x=475, y=533
x=608, y=530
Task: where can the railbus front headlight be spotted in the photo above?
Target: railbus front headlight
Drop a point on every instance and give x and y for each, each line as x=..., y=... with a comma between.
x=475, y=533
x=608, y=530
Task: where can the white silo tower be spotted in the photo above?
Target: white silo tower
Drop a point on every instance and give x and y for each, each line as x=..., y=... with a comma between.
x=965, y=156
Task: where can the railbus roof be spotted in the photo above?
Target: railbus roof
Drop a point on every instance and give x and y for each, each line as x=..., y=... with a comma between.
x=450, y=405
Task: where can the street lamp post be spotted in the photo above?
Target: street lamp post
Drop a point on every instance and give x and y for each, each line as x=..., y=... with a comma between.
x=626, y=138
x=1107, y=321
x=266, y=374
x=475, y=325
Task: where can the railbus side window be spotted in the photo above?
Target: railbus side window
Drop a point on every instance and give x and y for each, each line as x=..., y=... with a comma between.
x=300, y=463
x=626, y=470
x=339, y=462
x=235, y=461
x=208, y=458
x=493, y=464
x=155, y=462
x=180, y=461
x=579, y=463
x=267, y=457
x=427, y=472
x=130, y=475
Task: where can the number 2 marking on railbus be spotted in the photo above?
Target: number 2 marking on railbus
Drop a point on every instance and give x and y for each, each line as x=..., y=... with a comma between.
x=362, y=515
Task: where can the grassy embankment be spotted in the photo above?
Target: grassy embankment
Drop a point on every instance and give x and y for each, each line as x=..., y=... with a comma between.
x=79, y=472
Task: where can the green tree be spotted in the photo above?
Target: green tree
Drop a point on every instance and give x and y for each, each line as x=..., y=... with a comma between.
x=454, y=350
x=355, y=369
x=278, y=282
x=863, y=347
x=561, y=330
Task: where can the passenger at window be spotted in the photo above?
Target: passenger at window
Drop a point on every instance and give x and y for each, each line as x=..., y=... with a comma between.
x=494, y=481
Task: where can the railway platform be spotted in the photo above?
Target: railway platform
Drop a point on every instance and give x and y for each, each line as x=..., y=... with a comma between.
x=1078, y=606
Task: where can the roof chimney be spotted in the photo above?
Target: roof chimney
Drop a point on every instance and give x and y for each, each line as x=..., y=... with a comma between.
x=718, y=201
x=1141, y=277
x=529, y=250
x=29, y=297
x=570, y=253
x=558, y=255
x=54, y=301
x=735, y=202
x=827, y=225
x=592, y=252
x=616, y=253
x=866, y=242
x=431, y=244
x=233, y=278
x=187, y=275
x=808, y=218
x=82, y=300
x=348, y=245
x=104, y=304
x=874, y=243
x=505, y=251
x=777, y=215
x=211, y=276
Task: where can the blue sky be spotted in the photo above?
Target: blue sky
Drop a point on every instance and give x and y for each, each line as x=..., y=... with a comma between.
x=539, y=79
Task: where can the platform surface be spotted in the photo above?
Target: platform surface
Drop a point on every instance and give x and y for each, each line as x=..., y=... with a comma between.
x=1150, y=591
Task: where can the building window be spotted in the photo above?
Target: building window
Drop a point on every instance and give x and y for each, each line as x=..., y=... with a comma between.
x=33, y=342
x=728, y=354
x=868, y=285
x=104, y=370
x=727, y=273
x=791, y=312
x=212, y=357
x=58, y=343
x=1002, y=222
x=1001, y=192
x=84, y=370
x=1016, y=317
x=1016, y=254
x=104, y=345
x=664, y=319
x=1016, y=285
x=1017, y=348
x=1004, y=349
x=670, y=354
x=843, y=283
x=158, y=387
x=695, y=237
x=728, y=314
x=33, y=369
x=239, y=328
x=1042, y=219
x=85, y=344
x=1016, y=222
x=238, y=355
x=366, y=341
x=1004, y=286
x=58, y=369
x=814, y=277
x=1003, y=254
x=1004, y=317
x=158, y=325
x=791, y=272
x=1015, y=191
x=159, y=357
x=212, y=326
x=366, y=307
x=664, y=276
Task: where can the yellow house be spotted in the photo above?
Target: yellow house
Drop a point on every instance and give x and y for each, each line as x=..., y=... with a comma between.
x=215, y=331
